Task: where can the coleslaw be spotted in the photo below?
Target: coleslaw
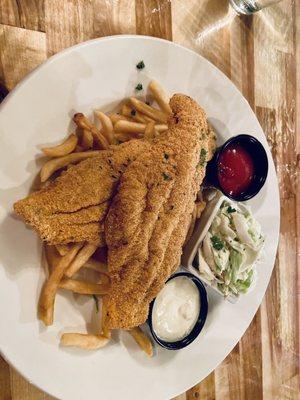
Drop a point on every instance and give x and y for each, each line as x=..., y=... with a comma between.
x=230, y=249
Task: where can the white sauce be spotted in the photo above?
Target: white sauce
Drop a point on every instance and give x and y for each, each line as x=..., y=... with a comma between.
x=176, y=309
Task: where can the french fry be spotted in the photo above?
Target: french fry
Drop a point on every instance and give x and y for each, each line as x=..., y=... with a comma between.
x=52, y=257
x=118, y=117
x=82, y=122
x=151, y=112
x=192, y=224
x=156, y=133
x=47, y=297
x=104, y=279
x=125, y=137
x=79, y=149
x=96, y=266
x=62, y=149
x=83, y=340
x=200, y=205
x=83, y=287
x=107, y=125
x=87, y=139
x=135, y=115
x=56, y=163
x=43, y=185
x=149, y=131
x=161, y=128
x=81, y=258
x=62, y=249
x=160, y=96
x=129, y=127
x=77, y=286
x=142, y=340
x=136, y=127
x=104, y=329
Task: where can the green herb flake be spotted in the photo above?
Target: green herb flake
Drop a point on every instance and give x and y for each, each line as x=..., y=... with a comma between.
x=166, y=156
x=166, y=176
x=140, y=65
x=96, y=302
x=139, y=87
x=202, y=158
x=217, y=242
x=231, y=210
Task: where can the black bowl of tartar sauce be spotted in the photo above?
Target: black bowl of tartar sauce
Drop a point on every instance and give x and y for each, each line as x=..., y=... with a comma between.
x=178, y=313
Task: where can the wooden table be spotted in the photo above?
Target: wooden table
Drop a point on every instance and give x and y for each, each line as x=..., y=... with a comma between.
x=260, y=54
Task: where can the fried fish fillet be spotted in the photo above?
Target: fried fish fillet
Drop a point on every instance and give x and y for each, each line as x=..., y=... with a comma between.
x=74, y=206
x=149, y=217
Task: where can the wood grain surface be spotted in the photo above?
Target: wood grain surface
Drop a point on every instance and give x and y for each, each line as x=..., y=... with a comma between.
x=261, y=55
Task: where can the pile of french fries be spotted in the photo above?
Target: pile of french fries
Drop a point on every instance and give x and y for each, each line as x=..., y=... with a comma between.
x=135, y=120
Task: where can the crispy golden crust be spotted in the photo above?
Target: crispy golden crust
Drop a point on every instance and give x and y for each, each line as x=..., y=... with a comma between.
x=73, y=207
x=149, y=217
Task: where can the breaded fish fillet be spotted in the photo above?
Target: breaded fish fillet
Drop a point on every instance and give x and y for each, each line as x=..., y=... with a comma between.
x=149, y=217
x=74, y=206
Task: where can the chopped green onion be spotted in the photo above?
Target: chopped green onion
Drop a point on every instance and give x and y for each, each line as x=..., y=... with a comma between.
x=217, y=242
x=166, y=176
x=202, y=159
x=139, y=87
x=140, y=65
x=231, y=210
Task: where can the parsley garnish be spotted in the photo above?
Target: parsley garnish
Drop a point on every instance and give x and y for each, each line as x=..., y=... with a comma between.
x=166, y=156
x=202, y=159
x=96, y=302
x=140, y=65
x=166, y=176
x=231, y=210
x=139, y=86
x=217, y=242
x=133, y=112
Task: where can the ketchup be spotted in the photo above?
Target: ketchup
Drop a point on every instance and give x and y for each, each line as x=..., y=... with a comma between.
x=235, y=170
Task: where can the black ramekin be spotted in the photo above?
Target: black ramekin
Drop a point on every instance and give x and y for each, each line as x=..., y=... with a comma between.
x=3, y=92
x=198, y=325
x=260, y=161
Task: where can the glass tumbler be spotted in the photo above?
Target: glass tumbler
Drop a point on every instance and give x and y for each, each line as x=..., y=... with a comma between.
x=250, y=6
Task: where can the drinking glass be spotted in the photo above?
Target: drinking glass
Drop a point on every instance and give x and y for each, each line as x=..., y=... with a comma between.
x=250, y=6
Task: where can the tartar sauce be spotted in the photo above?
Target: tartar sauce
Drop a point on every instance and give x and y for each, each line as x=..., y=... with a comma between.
x=176, y=309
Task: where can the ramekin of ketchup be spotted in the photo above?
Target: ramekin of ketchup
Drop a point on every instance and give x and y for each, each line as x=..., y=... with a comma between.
x=239, y=168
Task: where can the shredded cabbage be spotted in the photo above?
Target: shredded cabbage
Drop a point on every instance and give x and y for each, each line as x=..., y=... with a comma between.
x=230, y=249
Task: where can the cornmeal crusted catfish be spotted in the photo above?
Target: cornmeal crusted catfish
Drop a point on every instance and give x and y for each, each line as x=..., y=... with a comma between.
x=149, y=217
x=74, y=206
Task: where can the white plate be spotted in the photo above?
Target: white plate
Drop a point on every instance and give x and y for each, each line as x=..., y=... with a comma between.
x=98, y=74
